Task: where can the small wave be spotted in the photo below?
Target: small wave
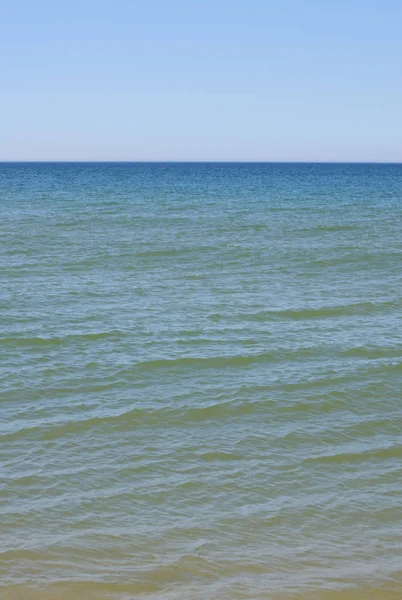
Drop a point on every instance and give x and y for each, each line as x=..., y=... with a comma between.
x=174, y=251
x=389, y=452
x=330, y=228
x=136, y=416
x=322, y=312
x=372, y=352
x=217, y=362
x=220, y=456
x=59, y=340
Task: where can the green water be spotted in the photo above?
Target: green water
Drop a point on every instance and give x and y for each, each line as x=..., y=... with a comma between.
x=201, y=382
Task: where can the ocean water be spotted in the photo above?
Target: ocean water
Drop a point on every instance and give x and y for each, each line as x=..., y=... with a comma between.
x=201, y=381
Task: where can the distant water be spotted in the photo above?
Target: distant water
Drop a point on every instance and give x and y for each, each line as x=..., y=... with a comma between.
x=201, y=381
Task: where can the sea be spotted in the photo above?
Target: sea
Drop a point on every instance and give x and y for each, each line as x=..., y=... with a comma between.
x=200, y=381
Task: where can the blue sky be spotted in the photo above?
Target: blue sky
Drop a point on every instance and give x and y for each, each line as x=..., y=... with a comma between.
x=201, y=80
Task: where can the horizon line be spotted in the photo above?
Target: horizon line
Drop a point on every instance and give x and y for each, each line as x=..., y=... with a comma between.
x=261, y=162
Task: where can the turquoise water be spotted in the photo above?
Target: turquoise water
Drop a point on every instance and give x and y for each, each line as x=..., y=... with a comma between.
x=201, y=380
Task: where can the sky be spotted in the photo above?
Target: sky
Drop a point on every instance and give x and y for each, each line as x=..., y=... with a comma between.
x=190, y=80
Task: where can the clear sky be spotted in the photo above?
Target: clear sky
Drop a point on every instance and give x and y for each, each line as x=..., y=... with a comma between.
x=295, y=80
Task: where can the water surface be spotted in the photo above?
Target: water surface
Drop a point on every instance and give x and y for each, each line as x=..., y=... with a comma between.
x=201, y=375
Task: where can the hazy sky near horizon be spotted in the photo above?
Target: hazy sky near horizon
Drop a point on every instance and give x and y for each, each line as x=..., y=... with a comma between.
x=201, y=80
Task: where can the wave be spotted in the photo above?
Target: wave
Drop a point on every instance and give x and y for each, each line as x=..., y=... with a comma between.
x=166, y=252
x=321, y=312
x=382, y=453
x=59, y=340
x=136, y=416
x=217, y=362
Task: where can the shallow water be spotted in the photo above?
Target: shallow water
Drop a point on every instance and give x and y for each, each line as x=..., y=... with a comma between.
x=201, y=375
